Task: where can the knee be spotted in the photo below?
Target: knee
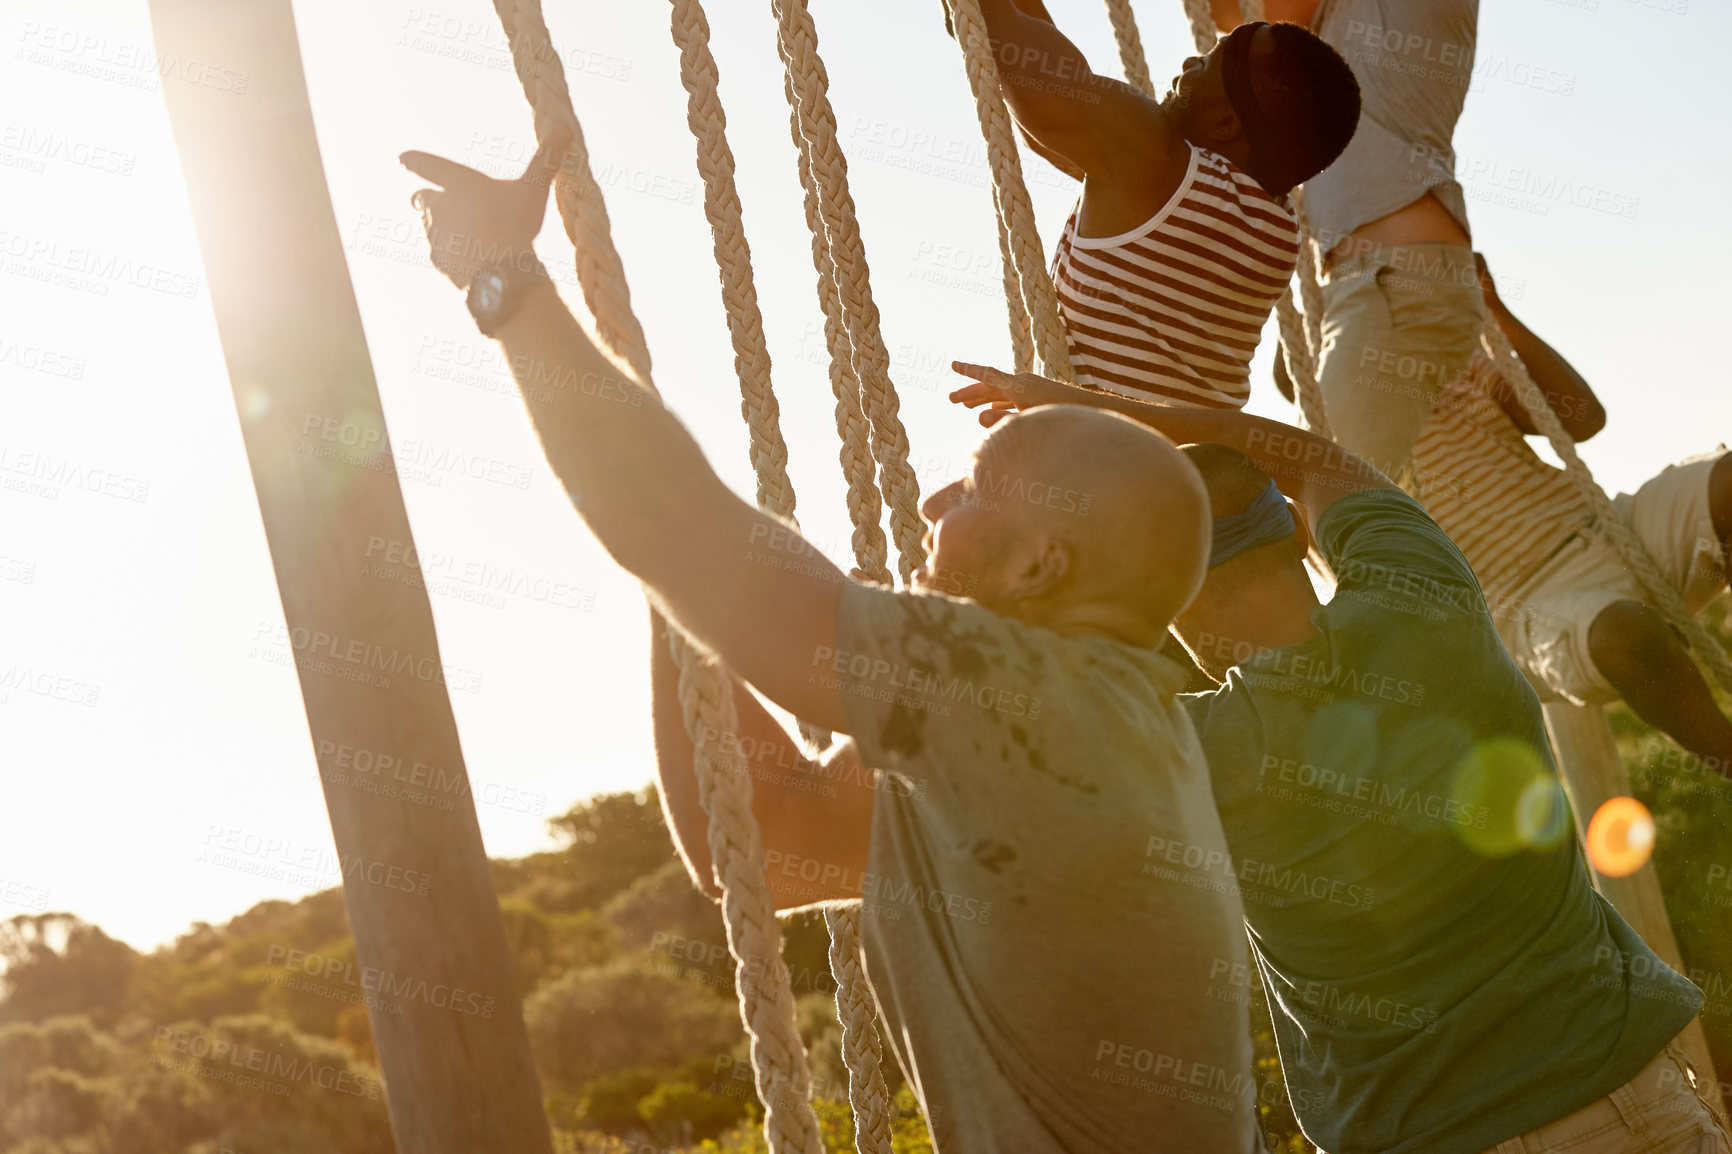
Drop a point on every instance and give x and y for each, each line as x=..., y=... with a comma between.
x=1625, y=638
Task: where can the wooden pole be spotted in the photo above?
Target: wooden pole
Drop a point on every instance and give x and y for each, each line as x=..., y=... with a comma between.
x=1594, y=772
x=428, y=935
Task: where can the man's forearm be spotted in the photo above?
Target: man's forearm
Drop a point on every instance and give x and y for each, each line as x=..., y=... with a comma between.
x=626, y=462
x=1566, y=391
x=1045, y=79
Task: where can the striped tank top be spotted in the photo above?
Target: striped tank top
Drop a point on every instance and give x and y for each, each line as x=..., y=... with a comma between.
x=1507, y=510
x=1171, y=311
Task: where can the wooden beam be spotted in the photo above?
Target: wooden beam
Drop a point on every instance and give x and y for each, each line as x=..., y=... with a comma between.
x=428, y=934
x=1593, y=772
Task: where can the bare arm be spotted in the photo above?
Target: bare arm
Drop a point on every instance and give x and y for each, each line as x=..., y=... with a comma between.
x=1312, y=470
x=830, y=823
x=1570, y=397
x=1102, y=126
x=633, y=472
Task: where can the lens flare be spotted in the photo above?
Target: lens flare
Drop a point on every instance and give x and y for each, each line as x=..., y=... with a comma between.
x=1505, y=799
x=1621, y=837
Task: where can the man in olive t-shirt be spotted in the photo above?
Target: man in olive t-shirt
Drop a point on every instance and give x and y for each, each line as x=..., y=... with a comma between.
x=1442, y=976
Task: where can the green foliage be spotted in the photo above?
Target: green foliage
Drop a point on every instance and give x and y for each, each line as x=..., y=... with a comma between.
x=595, y=1020
x=54, y=964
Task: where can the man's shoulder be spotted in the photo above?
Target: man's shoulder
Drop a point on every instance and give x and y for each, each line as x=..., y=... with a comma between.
x=1218, y=179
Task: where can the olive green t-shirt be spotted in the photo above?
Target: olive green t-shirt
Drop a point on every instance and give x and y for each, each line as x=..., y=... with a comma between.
x=1441, y=974
x=1048, y=918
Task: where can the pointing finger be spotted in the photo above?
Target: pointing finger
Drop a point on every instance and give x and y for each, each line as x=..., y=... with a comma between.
x=447, y=173
x=978, y=372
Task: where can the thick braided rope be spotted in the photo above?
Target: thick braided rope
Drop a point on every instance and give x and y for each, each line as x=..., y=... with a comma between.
x=1021, y=333
x=855, y=1010
x=1131, y=55
x=1018, y=233
x=862, y=1052
x=1617, y=530
x=784, y=1081
x=706, y=699
x=858, y=465
x=1202, y=26
x=581, y=208
x=827, y=172
x=704, y=115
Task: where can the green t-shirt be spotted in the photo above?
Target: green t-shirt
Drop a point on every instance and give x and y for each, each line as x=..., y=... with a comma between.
x=1442, y=975
x=1047, y=906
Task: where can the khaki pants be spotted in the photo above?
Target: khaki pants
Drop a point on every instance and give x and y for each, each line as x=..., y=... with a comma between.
x=1545, y=621
x=1399, y=323
x=1659, y=1111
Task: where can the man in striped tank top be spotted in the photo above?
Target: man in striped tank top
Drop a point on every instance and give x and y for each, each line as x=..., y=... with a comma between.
x=1183, y=238
x=1571, y=614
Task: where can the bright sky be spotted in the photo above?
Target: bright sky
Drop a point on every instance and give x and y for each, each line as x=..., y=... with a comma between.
x=146, y=714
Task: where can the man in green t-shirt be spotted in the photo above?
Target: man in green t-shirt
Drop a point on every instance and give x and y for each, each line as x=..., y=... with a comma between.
x=1442, y=976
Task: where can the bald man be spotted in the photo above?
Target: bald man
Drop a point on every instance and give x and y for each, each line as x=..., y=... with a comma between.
x=1021, y=790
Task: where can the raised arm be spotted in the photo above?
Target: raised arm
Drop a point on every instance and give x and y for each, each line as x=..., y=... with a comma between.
x=806, y=811
x=1120, y=139
x=1312, y=470
x=632, y=471
x=1570, y=397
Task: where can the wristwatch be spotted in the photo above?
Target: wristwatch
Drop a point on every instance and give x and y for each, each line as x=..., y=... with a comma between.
x=497, y=290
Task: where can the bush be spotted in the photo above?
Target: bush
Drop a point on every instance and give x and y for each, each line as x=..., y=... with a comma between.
x=591, y=1022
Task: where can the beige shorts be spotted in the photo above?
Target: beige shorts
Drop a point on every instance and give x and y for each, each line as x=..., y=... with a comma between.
x=1661, y=1110
x=1544, y=622
x=1399, y=323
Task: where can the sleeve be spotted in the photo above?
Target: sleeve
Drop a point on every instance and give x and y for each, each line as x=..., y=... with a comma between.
x=1382, y=541
x=926, y=678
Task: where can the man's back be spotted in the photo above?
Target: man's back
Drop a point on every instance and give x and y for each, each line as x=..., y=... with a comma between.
x=1047, y=910
x=1442, y=973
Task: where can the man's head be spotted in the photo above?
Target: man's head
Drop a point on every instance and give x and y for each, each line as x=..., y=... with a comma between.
x=1272, y=98
x=1076, y=519
x=1257, y=594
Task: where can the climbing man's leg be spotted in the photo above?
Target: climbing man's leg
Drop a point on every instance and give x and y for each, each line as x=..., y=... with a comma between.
x=1645, y=661
x=1399, y=323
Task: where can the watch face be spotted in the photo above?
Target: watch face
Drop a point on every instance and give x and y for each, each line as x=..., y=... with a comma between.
x=489, y=291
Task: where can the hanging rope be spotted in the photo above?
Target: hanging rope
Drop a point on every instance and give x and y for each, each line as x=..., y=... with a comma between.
x=1018, y=234
x=704, y=116
x=706, y=699
x=1661, y=595
x=826, y=173
x=1021, y=328
x=858, y=464
x=855, y=1007
x=1131, y=56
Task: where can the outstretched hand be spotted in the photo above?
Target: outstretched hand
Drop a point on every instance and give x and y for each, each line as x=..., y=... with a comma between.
x=474, y=221
x=1004, y=392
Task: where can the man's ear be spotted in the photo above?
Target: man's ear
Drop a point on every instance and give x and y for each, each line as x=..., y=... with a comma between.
x=1045, y=564
x=1220, y=124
